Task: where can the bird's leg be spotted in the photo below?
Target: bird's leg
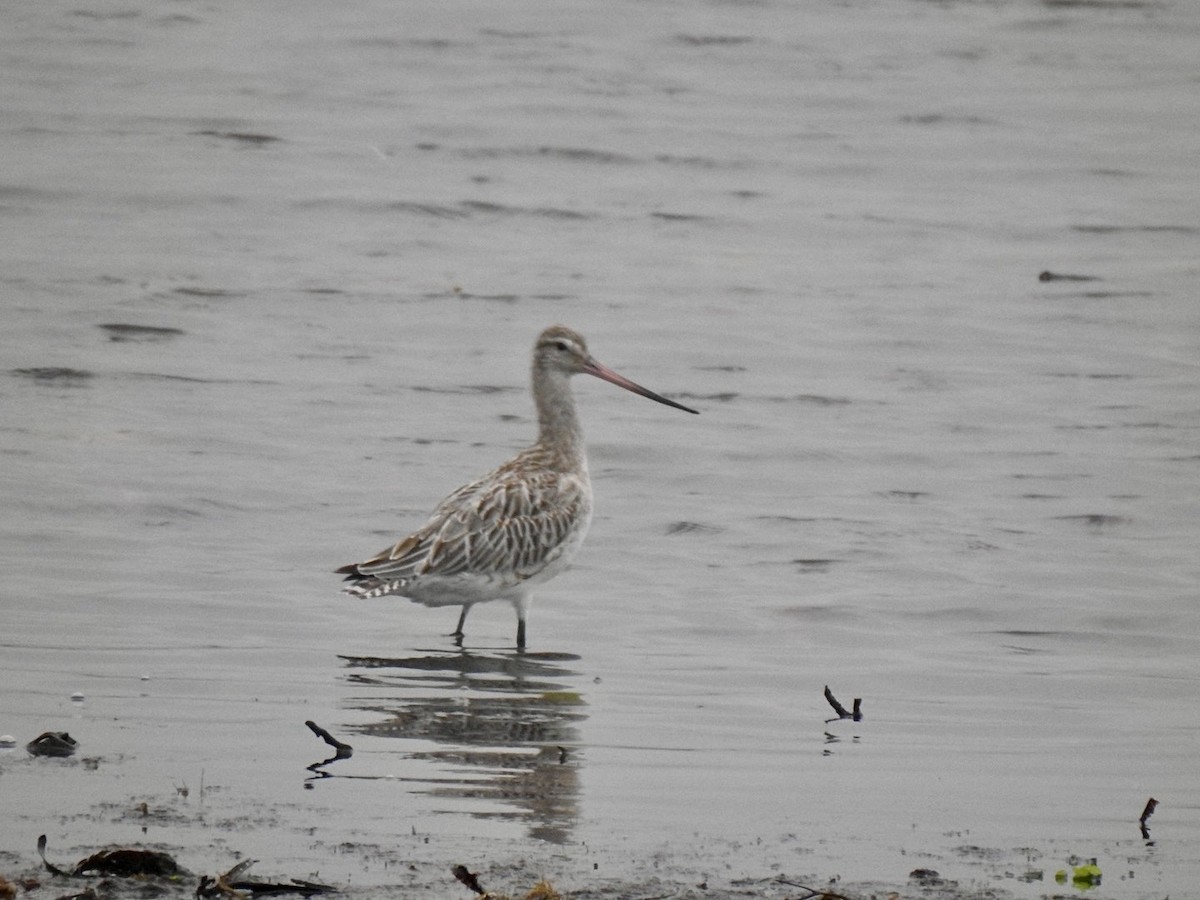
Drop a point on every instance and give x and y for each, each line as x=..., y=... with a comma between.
x=522, y=605
x=458, y=632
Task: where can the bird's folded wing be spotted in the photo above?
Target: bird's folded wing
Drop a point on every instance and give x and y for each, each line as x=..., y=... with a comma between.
x=508, y=526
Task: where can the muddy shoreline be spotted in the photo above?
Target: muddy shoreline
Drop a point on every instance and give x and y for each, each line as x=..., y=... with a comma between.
x=534, y=873
x=423, y=865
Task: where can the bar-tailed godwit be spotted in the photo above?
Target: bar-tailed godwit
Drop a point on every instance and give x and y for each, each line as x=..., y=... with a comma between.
x=519, y=525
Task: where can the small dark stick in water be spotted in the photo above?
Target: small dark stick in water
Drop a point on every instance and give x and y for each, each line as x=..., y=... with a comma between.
x=1047, y=275
x=842, y=712
x=1151, y=804
x=1149, y=810
x=344, y=751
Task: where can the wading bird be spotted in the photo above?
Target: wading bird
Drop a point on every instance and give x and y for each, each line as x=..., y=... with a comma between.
x=518, y=526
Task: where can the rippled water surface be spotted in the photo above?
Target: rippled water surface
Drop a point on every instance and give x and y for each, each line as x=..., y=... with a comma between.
x=270, y=276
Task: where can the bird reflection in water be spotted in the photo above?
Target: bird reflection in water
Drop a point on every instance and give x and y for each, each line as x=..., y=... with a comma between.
x=506, y=725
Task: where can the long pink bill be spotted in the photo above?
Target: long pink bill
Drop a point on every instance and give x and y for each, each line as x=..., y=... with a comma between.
x=607, y=374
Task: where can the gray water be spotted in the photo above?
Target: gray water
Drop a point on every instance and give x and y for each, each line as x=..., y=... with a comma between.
x=270, y=276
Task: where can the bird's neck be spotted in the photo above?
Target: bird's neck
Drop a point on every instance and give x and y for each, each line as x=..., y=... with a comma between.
x=559, y=432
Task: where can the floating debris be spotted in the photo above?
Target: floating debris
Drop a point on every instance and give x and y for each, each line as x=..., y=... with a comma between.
x=540, y=891
x=341, y=750
x=842, y=712
x=123, y=862
x=1151, y=805
x=344, y=751
x=1047, y=275
x=126, y=862
x=1081, y=877
x=229, y=883
x=52, y=743
x=134, y=862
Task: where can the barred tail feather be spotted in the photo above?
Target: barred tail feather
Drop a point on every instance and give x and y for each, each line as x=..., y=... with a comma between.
x=372, y=588
x=361, y=585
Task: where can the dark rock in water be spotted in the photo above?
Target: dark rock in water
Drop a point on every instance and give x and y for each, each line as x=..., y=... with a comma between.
x=126, y=862
x=52, y=743
x=925, y=876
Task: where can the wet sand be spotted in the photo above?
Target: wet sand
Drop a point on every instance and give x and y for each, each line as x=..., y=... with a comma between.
x=433, y=867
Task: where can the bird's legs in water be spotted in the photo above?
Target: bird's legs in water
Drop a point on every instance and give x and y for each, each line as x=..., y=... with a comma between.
x=522, y=604
x=458, y=632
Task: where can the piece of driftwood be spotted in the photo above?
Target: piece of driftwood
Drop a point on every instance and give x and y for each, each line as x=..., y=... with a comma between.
x=232, y=884
x=813, y=893
x=50, y=867
x=1047, y=275
x=1151, y=805
x=344, y=751
x=121, y=862
x=842, y=712
x=341, y=750
x=126, y=862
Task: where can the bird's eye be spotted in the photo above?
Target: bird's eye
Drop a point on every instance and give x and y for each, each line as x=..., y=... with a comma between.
x=561, y=345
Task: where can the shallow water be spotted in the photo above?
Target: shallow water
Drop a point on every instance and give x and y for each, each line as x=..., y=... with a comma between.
x=270, y=277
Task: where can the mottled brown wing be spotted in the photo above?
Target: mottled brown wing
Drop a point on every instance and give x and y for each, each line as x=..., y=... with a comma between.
x=508, y=524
